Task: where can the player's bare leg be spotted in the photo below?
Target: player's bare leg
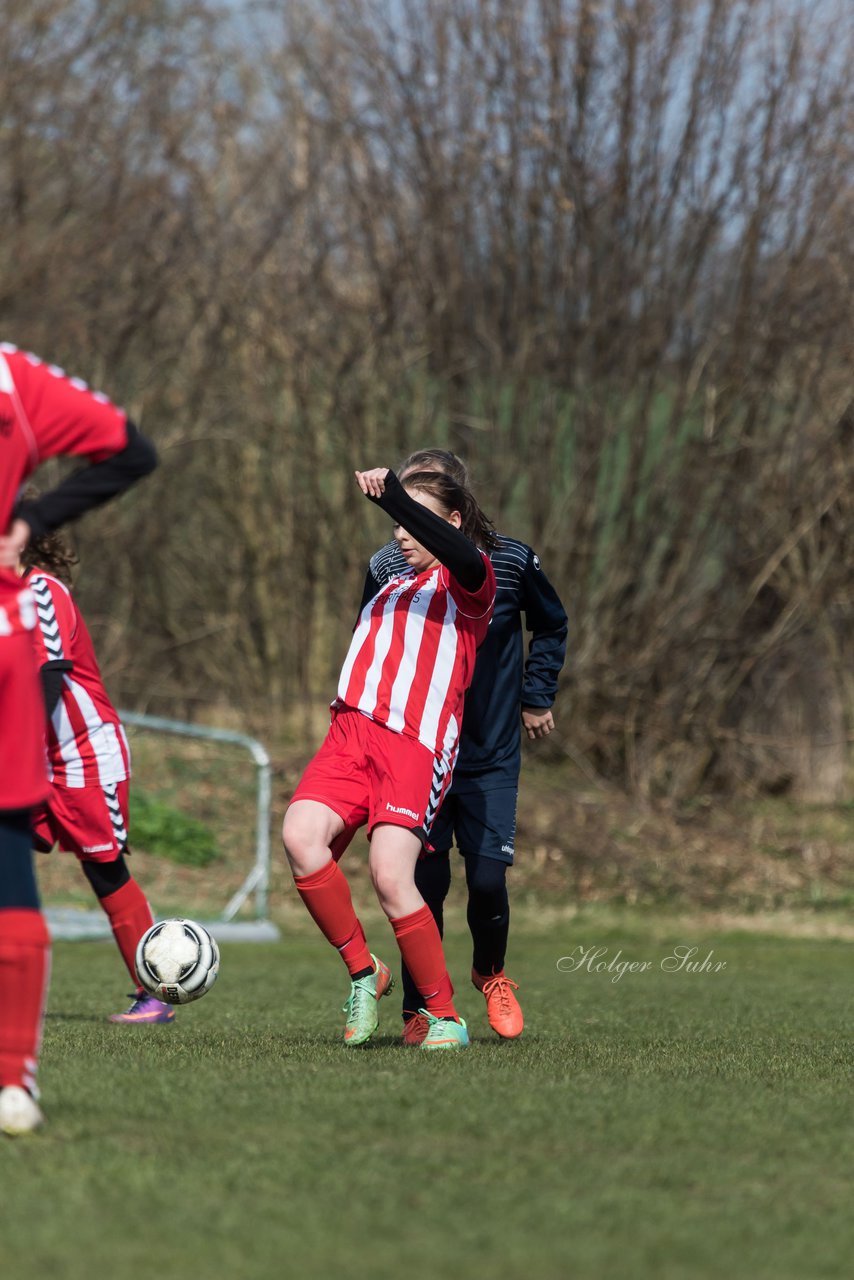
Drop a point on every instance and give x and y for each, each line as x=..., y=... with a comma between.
x=394, y=853
x=309, y=832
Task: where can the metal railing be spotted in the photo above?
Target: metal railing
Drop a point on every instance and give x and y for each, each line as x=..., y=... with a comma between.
x=258, y=879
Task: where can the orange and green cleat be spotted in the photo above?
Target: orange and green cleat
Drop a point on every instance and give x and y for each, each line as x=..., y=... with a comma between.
x=361, y=1007
x=444, y=1033
x=502, y=1007
x=415, y=1029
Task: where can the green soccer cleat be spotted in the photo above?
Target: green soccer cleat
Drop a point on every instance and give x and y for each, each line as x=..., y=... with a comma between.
x=444, y=1033
x=361, y=1007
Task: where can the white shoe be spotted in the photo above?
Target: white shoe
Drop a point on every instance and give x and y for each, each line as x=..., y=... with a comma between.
x=18, y=1111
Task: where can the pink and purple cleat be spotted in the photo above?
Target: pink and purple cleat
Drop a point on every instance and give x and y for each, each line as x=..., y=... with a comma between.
x=145, y=1009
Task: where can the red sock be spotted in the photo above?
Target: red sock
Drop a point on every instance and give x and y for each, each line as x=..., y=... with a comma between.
x=24, y=974
x=130, y=916
x=421, y=947
x=326, y=893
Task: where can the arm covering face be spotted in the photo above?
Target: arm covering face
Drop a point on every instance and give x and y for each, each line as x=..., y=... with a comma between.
x=451, y=547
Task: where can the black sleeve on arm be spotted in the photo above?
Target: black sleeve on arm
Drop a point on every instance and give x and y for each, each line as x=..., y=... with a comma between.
x=455, y=551
x=52, y=680
x=90, y=486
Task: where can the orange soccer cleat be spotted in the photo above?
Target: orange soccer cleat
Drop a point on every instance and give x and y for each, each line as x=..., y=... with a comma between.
x=502, y=1007
x=415, y=1029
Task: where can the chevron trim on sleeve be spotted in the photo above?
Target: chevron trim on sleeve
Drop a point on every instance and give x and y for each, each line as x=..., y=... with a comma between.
x=48, y=621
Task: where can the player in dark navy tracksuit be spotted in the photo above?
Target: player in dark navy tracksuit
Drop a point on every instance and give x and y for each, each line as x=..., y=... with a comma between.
x=480, y=808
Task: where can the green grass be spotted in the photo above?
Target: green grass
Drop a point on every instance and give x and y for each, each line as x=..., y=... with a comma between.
x=665, y=1125
x=162, y=829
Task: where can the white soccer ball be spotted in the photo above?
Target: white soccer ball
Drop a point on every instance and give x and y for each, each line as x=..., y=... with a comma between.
x=177, y=961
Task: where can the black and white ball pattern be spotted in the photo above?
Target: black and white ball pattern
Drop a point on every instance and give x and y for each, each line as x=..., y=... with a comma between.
x=177, y=961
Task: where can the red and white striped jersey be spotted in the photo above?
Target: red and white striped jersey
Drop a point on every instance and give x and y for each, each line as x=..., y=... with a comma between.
x=412, y=655
x=43, y=413
x=86, y=744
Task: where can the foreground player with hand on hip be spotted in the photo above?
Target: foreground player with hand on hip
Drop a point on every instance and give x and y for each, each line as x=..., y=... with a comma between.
x=391, y=747
x=43, y=413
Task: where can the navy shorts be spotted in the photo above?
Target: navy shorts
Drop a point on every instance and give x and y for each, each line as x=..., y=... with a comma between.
x=477, y=821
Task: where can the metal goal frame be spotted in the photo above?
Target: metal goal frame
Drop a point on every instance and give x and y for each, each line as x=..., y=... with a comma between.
x=72, y=923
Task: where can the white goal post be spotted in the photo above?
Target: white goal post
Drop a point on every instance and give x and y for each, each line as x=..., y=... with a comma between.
x=72, y=923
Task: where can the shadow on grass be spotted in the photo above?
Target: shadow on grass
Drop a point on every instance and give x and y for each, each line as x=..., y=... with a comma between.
x=73, y=1017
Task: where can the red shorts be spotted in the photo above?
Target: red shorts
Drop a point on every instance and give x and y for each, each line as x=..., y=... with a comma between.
x=369, y=774
x=89, y=821
x=23, y=773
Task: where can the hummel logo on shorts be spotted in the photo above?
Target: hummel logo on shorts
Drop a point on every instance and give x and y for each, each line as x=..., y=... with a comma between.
x=393, y=808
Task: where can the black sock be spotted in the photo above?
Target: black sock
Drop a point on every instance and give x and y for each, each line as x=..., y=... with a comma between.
x=363, y=973
x=488, y=912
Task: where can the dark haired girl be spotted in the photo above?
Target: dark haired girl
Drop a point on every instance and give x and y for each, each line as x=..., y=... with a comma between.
x=390, y=751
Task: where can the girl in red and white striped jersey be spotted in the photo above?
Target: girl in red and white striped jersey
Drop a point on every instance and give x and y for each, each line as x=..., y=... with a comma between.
x=86, y=812
x=389, y=754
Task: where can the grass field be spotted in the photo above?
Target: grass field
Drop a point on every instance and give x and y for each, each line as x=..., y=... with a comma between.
x=666, y=1124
